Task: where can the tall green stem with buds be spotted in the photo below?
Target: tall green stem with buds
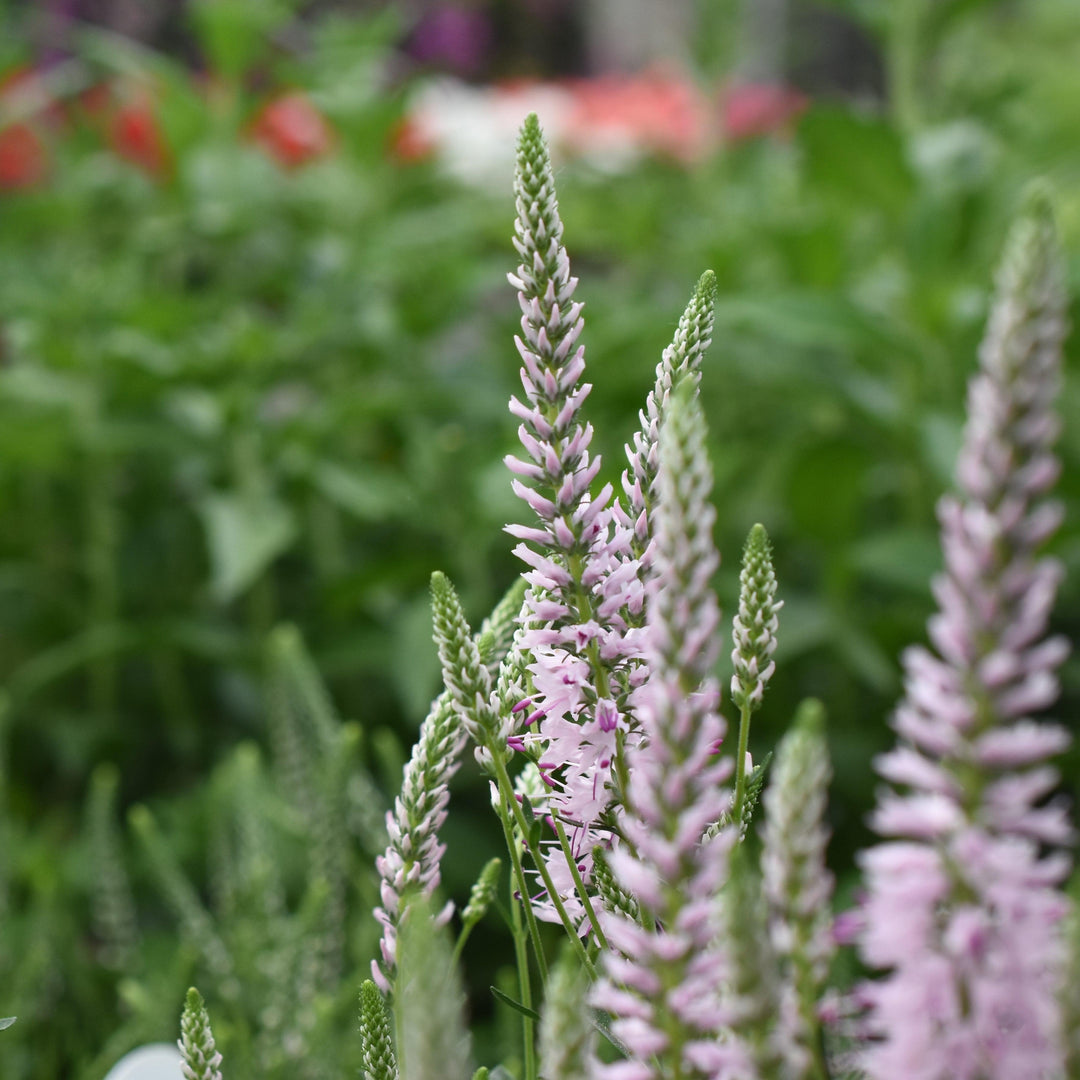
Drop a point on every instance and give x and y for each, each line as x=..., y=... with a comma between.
x=754, y=632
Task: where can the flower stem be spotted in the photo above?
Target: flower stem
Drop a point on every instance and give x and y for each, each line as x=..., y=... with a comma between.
x=740, y=765
x=525, y=987
x=507, y=790
x=580, y=884
x=507, y=794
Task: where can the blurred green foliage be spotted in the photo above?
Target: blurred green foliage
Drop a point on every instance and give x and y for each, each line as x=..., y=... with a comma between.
x=235, y=394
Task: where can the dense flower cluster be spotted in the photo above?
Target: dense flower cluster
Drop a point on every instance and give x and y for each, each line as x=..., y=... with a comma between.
x=410, y=864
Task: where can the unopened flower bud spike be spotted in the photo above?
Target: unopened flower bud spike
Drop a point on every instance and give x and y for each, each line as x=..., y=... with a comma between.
x=376, y=1037
x=798, y=887
x=754, y=634
x=481, y=897
x=199, y=1056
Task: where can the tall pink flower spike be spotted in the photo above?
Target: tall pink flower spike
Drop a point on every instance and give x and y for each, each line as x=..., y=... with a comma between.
x=663, y=975
x=964, y=908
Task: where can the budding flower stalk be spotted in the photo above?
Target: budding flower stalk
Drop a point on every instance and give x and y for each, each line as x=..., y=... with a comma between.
x=754, y=633
x=964, y=907
x=199, y=1056
x=376, y=1040
x=798, y=887
x=410, y=864
x=680, y=361
x=481, y=897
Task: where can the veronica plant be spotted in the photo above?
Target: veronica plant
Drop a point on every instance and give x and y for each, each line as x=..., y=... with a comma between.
x=624, y=811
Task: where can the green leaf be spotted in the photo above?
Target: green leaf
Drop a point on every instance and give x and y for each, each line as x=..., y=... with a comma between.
x=244, y=535
x=532, y=1014
x=602, y=1022
x=903, y=558
x=373, y=495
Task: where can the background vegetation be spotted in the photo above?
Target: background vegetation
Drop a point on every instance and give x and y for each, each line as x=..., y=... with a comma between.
x=253, y=392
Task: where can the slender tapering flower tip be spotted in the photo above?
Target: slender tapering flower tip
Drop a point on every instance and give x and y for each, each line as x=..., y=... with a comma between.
x=683, y=632
x=199, y=1056
x=429, y=1003
x=754, y=627
x=482, y=895
x=797, y=885
x=694, y=333
x=466, y=678
x=378, y=1061
x=705, y=293
x=567, y=1034
x=680, y=360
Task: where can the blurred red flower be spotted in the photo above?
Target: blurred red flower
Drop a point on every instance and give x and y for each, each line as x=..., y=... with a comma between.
x=754, y=109
x=24, y=157
x=292, y=131
x=136, y=136
x=654, y=112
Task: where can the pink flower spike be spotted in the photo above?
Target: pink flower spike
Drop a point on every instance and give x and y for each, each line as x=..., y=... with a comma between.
x=963, y=910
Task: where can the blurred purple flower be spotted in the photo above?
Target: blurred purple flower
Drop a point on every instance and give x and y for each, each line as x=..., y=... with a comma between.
x=453, y=37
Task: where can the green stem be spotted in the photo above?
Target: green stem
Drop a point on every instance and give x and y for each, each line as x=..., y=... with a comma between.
x=459, y=945
x=519, y=816
x=580, y=884
x=522, y=884
x=740, y=764
x=808, y=995
x=102, y=537
x=524, y=985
